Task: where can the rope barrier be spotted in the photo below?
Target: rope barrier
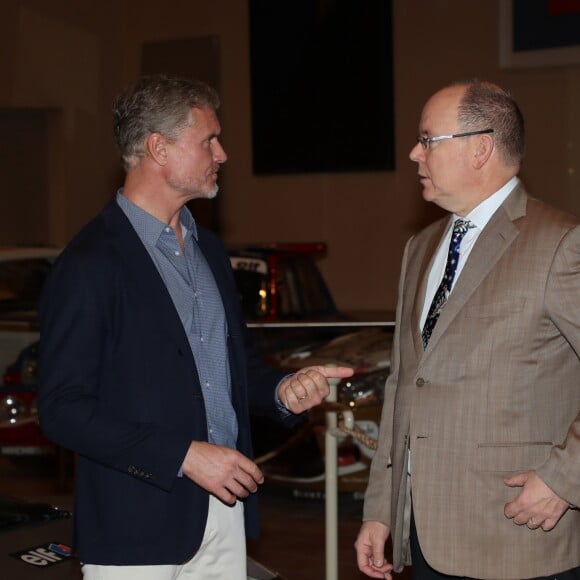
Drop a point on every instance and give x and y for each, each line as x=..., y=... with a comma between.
x=356, y=433
x=348, y=426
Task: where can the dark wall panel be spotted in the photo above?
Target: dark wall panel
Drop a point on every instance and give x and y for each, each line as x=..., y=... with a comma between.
x=24, y=170
x=322, y=86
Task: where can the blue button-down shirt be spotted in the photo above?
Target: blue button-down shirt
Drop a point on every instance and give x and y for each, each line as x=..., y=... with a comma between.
x=197, y=299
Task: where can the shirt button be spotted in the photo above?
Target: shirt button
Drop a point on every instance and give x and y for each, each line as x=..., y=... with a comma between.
x=168, y=229
x=420, y=382
x=202, y=339
x=176, y=253
x=207, y=384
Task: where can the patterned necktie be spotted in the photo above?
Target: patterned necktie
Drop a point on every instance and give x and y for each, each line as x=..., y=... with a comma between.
x=460, y=228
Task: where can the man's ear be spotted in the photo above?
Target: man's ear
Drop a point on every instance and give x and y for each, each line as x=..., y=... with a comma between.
x=156, y=146
x=483, y=150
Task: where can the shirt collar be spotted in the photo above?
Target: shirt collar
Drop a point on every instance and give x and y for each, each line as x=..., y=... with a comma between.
x=481, y=214
x=148, y=226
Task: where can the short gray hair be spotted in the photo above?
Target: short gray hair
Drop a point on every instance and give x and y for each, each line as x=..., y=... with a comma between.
x=156, y=104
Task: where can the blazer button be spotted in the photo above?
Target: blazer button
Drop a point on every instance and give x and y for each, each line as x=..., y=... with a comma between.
x=421, y=382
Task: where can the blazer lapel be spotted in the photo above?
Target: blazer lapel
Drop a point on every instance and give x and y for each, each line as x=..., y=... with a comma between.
x=421, y=289
x=143, y=274
x=491, y=245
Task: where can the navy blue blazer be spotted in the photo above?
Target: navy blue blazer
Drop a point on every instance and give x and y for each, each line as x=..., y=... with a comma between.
x=119, y=386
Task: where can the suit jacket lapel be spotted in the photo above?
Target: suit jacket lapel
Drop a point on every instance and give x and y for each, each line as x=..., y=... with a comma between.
x=142, y=272
x=493, y=242
x=421, y=289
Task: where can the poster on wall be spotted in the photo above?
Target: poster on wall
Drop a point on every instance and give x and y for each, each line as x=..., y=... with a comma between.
x=536, y=33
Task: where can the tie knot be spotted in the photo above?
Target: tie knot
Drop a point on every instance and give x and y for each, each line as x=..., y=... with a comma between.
x=460, y=226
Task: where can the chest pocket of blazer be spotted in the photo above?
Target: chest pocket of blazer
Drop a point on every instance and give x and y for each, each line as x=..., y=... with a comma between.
x=508, y=457
x=498, y=309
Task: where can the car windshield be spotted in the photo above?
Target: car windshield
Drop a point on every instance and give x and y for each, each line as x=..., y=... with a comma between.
x=300, y=291
x=20, y=283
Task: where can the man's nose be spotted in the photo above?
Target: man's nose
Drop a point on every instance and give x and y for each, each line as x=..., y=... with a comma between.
x=417, y=153
x=219, y=153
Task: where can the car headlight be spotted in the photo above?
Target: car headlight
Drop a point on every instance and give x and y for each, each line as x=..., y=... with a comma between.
x=13, y=410
x=366, y=389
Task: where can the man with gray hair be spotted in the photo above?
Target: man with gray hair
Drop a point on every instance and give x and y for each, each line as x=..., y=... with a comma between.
x=146, y=371
x=477, y=473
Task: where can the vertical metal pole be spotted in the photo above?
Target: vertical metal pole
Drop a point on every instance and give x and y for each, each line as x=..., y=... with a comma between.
x=331, y=488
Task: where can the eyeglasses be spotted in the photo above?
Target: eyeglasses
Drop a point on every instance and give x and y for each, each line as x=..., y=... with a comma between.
x=426, y=141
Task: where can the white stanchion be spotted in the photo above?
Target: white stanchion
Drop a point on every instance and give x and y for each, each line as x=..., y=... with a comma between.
x=331, y=487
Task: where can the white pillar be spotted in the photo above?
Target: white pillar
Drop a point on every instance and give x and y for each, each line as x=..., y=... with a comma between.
x=331, y=487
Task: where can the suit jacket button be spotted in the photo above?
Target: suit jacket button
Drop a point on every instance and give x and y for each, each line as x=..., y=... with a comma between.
x=420, y=382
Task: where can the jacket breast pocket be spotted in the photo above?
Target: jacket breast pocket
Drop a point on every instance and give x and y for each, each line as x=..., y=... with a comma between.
x=506, y=307
x=511, y=456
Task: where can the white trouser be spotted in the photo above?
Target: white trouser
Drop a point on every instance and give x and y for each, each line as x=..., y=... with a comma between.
x=222, y=553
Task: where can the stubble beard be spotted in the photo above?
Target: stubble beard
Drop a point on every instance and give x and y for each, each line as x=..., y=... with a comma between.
x=192, y=194
x=213, y=192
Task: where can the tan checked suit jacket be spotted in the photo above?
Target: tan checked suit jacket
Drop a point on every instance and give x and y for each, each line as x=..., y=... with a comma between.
x=497, y=391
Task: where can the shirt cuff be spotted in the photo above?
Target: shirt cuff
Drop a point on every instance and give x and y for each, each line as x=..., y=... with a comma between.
x=284, y=412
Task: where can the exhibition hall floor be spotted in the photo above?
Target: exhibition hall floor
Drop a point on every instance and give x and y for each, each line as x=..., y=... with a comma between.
x=293, y=534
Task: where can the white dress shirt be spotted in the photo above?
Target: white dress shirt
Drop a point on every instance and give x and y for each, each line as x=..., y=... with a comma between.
x=479, y=217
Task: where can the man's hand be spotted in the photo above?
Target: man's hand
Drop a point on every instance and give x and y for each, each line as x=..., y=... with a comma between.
x=225, y=472
x=536, y=506
x=309, y=387
x=370, y=550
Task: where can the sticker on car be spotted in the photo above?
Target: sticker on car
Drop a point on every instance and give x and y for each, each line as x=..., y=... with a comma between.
x=249, y=264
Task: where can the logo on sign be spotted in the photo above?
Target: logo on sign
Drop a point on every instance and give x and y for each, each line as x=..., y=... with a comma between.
x=45, y=555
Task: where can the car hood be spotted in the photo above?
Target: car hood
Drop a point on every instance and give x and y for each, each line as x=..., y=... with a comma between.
x=365, y=350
